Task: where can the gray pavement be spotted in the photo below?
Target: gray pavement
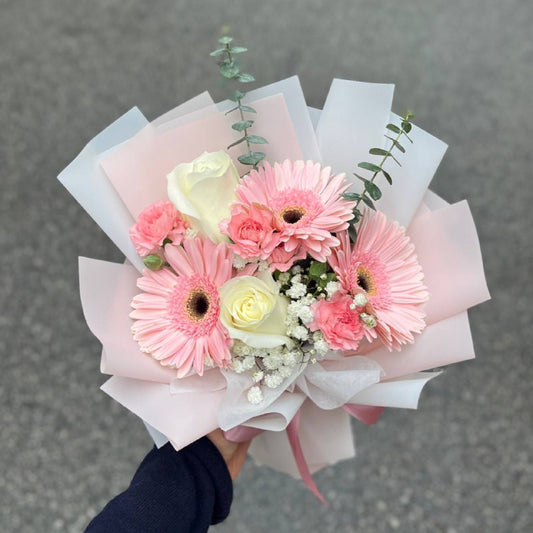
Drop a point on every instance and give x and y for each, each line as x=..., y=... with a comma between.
x=461, y=463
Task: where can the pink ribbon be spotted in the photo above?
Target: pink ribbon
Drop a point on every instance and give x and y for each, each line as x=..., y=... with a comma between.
x=365, y=413
x=294, y=439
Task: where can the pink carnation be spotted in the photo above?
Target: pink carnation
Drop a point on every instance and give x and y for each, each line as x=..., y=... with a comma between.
x=282, y=260
x=341, y=326
x=156, y=223
x=252, y=229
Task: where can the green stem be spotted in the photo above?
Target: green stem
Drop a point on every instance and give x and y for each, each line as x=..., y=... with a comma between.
x=239, y=105
x=381, y=165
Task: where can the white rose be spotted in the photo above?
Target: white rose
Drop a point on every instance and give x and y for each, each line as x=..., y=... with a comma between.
x=204, y=190
x=253, y=311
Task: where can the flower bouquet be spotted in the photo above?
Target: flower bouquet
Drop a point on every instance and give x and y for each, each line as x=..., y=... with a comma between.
x=275, y=293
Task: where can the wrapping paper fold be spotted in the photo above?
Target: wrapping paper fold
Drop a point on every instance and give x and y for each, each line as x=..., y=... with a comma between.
x=124, y=168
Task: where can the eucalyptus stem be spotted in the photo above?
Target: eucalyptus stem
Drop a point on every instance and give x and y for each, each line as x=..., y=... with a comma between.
x=377, y=172
x=229, y=69
x=371, y=191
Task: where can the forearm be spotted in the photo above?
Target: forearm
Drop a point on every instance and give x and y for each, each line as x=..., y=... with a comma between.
x=183, y=491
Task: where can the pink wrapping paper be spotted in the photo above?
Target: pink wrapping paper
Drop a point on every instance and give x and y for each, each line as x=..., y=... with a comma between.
x=106, y=290
x=138, y=169
x=182, y=418
x=448, y=250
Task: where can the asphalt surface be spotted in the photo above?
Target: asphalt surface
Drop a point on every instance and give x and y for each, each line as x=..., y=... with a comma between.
x=463, y=461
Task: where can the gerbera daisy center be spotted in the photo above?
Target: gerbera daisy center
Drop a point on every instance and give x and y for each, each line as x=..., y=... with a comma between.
x=197, y=305
x=366, y=281
x=292, y=214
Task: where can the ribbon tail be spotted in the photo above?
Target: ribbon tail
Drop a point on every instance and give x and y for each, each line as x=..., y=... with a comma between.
x=293, y=433
x=367, y=414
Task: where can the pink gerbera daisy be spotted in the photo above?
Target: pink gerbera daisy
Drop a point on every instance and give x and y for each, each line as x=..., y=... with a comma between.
x=177, y=316
x=306, y=202
x=382, y=265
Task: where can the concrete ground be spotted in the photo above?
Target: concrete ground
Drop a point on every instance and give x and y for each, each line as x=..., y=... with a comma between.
x=461, y=463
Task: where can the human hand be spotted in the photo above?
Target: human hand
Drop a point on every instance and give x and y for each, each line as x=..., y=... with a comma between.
x=234, y=453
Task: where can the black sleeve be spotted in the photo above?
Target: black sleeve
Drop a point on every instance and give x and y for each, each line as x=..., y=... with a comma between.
x=174, y=492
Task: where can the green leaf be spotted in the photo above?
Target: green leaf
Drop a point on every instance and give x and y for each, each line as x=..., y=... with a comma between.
x=368, y=202
x=237, y=49
x=252, y=158
x=352, y=232
x=256, y=139
x=356, y=215
x=369, y=166
x=245, y=78
x=218, y=52
x=229, y=70
x=225, y=40
x=239, y=141
x=235, y=96
x=396, y=161
x=373, y=190
x=394, y=128
x=378, y=151
x=409, y=138
x=396, y=144
x=248, y=109
x=317, y=269
x=153, y=262
x=351, y=196
x=387, y=176
x=358, y=176
x=407, y=126
x=242, y=125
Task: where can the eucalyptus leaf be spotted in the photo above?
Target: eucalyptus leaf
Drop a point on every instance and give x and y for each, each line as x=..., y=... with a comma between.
x=373, y=190
x=245, y=78
x=394, y=128
x=239, y=141
x=378, y=151
x=358, y=176
x=225, y=40
x=351, y=196
x=396, y=144
x=409, y=138
x=229, y=70
x=218, y=52
x=369, y=166
x=242, y=125
x=248, y=109
x=231, y=110
x=252, y=158
x=237, y=49
x=256, y=139
x=352, y=232
x=235, y=96
x=387, y=176
x=396, y=161
x=368, y=202
x=407, y=126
